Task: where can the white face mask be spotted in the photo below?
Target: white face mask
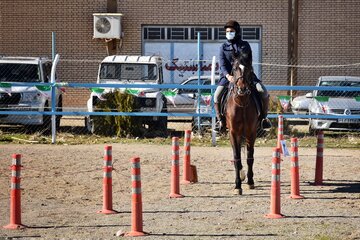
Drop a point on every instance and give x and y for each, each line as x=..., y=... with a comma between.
x=230, y=35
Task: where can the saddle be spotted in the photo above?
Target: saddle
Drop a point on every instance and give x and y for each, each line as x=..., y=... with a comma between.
x=227, y=93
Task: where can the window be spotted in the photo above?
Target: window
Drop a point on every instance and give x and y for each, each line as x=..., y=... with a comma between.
x=154, y=33
x=205, y=33
x=189, y=33
x=13, y=72
x=177, y=33
x=250, y=33
x=337, y=93
x=116, y=71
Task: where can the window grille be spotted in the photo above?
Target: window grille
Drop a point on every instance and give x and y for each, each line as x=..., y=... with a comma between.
x=153, y=33
x=189, y=33
x=205, y=33
x=177, y=33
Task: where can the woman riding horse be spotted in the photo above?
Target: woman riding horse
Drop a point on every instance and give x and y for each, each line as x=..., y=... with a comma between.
x=234, y=45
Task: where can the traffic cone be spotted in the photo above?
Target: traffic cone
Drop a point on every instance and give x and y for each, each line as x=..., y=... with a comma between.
x=295, y=184
x=275, y=186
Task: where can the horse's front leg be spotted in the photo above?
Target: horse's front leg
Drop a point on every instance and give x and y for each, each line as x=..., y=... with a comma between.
x=236, y=146
x=250, y=163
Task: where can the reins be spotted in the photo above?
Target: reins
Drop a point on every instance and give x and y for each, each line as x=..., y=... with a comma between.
x=238, y=91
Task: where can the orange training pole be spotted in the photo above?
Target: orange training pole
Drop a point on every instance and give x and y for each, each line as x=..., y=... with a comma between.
x=295, y=183
x=107, y=182
x=175, y=184
x=319, y=159
x=136, y=200
x=15, y=195
x=275, y=186
x=186, y=167
x=280, y=131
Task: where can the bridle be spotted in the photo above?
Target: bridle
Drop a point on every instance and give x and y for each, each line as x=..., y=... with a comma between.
x=240, y=91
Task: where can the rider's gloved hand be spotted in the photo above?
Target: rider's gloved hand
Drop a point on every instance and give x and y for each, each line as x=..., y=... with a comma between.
x=259, y=88
x=230, y=78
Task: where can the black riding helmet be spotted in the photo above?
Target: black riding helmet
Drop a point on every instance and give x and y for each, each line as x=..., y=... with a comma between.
x=233, y=24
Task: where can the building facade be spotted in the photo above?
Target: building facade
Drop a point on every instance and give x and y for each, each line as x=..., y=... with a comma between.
x=328, y=35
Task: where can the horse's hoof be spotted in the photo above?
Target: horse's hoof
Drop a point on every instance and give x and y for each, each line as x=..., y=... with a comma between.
x=242, y=175
x=237, y=191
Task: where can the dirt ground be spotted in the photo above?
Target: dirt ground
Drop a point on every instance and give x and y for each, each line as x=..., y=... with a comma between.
x=62, y=192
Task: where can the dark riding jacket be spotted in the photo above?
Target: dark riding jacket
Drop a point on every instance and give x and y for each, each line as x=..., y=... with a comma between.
x=227, y=50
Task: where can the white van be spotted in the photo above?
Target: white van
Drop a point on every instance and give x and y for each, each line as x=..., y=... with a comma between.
x=15, y=71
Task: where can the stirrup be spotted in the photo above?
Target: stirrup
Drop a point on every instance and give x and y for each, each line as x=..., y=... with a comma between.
x=218, y=126
x=265, y=123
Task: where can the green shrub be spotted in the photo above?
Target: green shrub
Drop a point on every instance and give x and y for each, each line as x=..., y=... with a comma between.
x=276, y=108
x=121, y=126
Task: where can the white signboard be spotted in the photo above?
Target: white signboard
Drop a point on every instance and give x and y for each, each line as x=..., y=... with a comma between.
x=180, y=59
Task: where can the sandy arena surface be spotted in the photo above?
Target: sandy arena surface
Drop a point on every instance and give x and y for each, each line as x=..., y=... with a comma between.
x=62, y=192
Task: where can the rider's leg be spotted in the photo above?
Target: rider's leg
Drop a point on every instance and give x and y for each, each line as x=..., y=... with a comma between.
x=264, y=95
x=217, y=96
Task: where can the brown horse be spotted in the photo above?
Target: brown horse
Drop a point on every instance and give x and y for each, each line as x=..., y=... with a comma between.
x=242, y=120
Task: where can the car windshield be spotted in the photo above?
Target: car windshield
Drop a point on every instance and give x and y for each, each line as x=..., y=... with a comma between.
x=15, y=72
x=122, y=71
x=337, y=93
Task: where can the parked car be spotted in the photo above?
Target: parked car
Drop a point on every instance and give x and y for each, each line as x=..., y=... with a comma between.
x=14, y=97
x=335, y=102
x=300, y=104
x=183, y=100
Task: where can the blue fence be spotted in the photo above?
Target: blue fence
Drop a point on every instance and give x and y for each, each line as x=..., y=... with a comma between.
x=172, y=114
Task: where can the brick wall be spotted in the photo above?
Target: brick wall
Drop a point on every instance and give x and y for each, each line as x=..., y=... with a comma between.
x=328, y=32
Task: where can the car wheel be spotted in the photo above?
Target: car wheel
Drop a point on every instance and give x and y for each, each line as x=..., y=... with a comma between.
x=58, y=117
x=194, y=126
x=163, y=121
x=159, y=127
x=312, y=131
x=89, y=125
x=45, y=127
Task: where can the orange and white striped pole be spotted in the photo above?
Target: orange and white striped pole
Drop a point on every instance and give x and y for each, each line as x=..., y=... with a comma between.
x=319, y=158
x=295, y=183
x=186, y=163
x=107, y=182
x=280, y=132
x=175, y=170
x=15, y=194
x=136, y=200
x=275, y=186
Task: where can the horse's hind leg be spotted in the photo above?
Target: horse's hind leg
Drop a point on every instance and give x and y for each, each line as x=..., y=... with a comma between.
x=250, y=163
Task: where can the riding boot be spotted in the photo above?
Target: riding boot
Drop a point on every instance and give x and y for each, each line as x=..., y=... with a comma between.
x=265, y=122
x=218, y=124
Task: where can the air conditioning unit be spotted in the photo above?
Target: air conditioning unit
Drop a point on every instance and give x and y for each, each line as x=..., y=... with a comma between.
x=107, y=25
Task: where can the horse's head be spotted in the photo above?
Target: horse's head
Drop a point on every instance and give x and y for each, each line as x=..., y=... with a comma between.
x=242, y=70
